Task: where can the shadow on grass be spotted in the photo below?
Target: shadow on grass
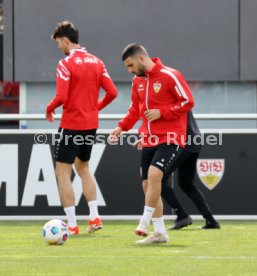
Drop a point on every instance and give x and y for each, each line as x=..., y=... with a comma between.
x=164, y=245
x=89, y=236
x=191, y=229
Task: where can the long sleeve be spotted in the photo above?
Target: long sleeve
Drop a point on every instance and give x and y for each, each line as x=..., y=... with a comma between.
x=62, y=87
x=133, y=114
x=180, y=89
x=109, y=88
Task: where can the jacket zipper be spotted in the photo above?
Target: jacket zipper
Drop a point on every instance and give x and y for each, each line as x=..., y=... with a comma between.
x=146, y=103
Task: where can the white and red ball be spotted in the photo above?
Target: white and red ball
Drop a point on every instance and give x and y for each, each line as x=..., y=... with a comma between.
x=55, y=232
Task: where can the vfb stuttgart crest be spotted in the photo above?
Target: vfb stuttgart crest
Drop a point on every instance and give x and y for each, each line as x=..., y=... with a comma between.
x=156, y=87
x=210, y=171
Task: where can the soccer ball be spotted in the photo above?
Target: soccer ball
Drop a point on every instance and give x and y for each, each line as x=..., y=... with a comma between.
x=55, y=232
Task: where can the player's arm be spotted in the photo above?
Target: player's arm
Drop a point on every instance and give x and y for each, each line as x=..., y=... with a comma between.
x=180, y=89
x=133, y=114
x=130, y=119
x=62, y=88
x=109, y=88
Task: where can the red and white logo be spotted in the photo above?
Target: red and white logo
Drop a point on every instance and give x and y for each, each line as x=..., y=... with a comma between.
x=78, y=60
x=157, y=87
x=210, y=171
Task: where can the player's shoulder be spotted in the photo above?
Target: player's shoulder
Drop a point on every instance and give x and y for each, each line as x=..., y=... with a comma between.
x=78, y=58
x=63, y=62
x=91, y=58
x=171, y=72
x=137, y=79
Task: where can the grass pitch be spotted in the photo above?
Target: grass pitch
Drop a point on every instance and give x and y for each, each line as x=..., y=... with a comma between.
x=232, y=250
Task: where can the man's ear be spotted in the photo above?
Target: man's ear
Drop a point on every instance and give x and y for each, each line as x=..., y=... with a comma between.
x=141, y=58
x=66, y=40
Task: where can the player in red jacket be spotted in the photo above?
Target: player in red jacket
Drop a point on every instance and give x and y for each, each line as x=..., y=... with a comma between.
x=80, y=75
x=161, y=98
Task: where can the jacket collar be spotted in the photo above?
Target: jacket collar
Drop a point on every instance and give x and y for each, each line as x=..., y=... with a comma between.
x=157, y=67
x=81, y=49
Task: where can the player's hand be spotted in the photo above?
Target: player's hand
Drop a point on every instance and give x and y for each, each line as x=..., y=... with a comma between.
x=49, y=116
x=138, y=144
x=152, y=114
x=114, y=135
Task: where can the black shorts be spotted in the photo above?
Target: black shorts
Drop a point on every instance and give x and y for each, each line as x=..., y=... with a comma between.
x=163, y=157
x=74, y=143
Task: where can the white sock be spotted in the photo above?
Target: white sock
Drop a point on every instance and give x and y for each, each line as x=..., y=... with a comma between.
x=71, y=216
x=93, y=209
x=158, y=225
x=148, y=213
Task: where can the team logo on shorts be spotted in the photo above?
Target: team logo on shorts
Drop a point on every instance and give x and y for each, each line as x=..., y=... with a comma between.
x=210, y=171
x=156, y=87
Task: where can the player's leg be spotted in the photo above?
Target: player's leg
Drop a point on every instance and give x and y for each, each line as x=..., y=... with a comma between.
x=88, y=182
x=168, y=193
x=159, y=234
x=150, y=211
x=163, y=159
x=186, y=175
x=153, y=192
x=163, y=164
x=166, y=159
x=63, y=174
x=158, y=221
x=65, y=154
x=146, y=158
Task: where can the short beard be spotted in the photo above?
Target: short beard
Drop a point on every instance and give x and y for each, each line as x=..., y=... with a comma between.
x=141, y=71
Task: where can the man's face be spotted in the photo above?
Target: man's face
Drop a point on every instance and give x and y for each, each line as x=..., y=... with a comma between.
x=62, y=43
x=135, y=65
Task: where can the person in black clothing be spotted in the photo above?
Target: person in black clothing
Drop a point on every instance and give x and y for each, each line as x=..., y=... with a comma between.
x=186, y=173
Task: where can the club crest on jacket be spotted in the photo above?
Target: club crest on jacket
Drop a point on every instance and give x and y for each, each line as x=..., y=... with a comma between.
x=156, y=87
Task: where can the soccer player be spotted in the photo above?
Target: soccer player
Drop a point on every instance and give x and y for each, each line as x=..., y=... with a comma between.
x=186, y=164
x=79, y=78
x=161, y=98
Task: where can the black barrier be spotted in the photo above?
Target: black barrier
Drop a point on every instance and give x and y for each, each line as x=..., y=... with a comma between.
x=28, y=186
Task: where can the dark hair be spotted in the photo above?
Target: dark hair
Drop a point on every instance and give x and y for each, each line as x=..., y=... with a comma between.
x=132, y=50
x=66, y=29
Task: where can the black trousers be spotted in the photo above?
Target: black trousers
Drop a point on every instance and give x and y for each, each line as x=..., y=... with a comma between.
x=186, y=174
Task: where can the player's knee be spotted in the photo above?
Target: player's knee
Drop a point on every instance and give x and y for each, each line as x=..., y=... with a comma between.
x=81, y=167
x=63, y=171
x=61, y=175
x=155, y=174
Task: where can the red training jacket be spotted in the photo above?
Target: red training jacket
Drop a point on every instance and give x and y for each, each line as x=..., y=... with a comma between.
x=166, y=89
x=79, y=78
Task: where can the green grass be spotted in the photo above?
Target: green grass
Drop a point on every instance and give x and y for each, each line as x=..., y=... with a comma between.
x=231, y=250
